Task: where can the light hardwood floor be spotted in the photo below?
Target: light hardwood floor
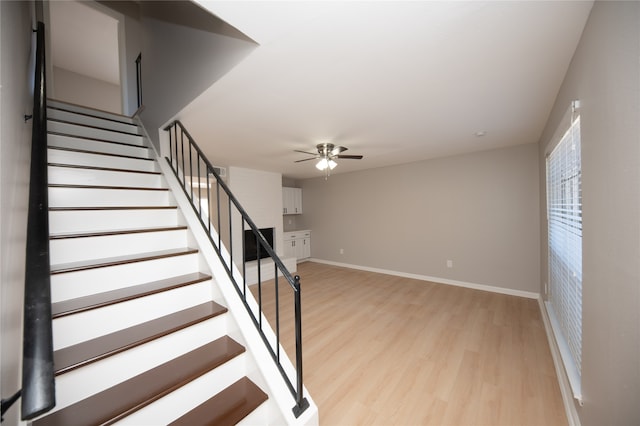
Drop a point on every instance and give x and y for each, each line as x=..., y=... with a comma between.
x=385, y=350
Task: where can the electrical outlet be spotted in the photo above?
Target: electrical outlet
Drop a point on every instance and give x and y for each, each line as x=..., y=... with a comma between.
x=341, y=251
x=449, y=263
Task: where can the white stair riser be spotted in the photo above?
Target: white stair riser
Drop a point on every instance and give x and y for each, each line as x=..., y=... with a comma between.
x=70, y=285
x=74, y=385
x=67, y=250
x=72, y=329
x=189, y=396
x=84, y=110
x=99, y=160
x=97, y=146
x=102, y=220
x=91, y=197
x=92, y=132
x=260, y=415
x=88, y=120
x=80, y=176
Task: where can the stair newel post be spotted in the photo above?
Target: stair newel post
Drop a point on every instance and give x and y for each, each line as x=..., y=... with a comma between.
x=301, y=402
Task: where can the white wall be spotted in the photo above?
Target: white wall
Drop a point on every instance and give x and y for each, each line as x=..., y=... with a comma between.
x=16, y=77
x=605, y=76
x=83, y=90
x=479, y=210
x=185, y=50
x=260, y=194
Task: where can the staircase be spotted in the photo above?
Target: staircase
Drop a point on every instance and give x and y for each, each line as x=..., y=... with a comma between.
x=142, y=331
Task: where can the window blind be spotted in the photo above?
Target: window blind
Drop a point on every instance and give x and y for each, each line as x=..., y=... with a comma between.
x=564, y=215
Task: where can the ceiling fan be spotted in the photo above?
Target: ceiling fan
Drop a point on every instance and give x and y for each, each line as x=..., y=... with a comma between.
x=327, y=154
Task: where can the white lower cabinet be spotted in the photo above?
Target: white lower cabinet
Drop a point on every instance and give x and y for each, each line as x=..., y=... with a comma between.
x=297, y=244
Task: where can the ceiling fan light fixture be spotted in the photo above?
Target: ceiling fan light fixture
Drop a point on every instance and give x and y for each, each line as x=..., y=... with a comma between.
x=325, y=163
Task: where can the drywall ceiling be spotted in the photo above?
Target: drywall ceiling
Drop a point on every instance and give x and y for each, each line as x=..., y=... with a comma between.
x=84, y=40
x=394, y=81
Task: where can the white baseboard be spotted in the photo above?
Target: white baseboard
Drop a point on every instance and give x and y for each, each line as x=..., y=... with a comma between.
x=493, y=289
x=563, y=380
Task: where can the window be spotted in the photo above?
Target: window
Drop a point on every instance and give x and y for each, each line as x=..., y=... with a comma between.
x=564, y=216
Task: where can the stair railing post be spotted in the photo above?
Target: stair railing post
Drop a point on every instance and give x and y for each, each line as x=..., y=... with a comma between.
x=301, y=402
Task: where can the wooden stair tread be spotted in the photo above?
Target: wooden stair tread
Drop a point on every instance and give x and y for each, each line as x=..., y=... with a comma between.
x=70, y=135
x=108, y=154
x=86, y=114
x=90, y=126
x=119, y=260
x=76, y=356
x=227, y=407
x=94, y=301
x=69, y=235
x=91, y=208
x=133, y=188
x=104, y=169
x=127, y=397
x=86, y=110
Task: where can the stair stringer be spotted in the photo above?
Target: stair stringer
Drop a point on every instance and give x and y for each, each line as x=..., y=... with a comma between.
x=268, y=377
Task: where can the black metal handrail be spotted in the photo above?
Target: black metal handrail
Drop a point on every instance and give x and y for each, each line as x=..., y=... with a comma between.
x=38, y=386
x=195, y=172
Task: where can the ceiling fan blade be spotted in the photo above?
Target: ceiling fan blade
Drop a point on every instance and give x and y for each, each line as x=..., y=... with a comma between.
x=338, y=149
x=305, y=152
x=350, y=157
x=305, y=159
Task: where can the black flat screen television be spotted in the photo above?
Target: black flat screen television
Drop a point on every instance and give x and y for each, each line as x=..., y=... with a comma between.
x=251, y=244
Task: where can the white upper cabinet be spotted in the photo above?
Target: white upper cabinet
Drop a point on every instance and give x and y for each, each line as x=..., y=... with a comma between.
x=291, y=200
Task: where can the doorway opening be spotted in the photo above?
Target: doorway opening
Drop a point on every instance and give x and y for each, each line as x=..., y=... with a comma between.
x=85, y=55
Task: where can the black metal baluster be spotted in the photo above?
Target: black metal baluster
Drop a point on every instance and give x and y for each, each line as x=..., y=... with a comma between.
x=230, y=237
x=209, y=201
x=277, y=296
x=184, y=181
x=175, y=132
x=191, y=168
x=199, y=187
x=244, y=267
x=259, y=282
x=170, y=149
